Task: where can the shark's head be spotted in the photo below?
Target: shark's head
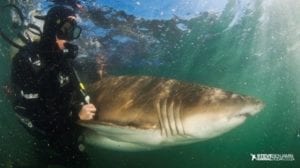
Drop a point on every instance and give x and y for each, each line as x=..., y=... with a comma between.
x=216, y=112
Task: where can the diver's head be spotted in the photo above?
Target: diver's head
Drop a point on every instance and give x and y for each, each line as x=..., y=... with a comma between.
x=60, y=24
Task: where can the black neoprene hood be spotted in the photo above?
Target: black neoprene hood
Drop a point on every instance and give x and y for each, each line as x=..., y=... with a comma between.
x=54, y=20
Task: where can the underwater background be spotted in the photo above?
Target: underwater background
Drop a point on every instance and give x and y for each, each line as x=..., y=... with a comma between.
x=247, y=46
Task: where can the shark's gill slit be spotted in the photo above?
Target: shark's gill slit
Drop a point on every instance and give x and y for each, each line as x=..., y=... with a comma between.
x=180, y=118
x=165, y=118
x=171, y=118
x=177, y=120
x=162, y=128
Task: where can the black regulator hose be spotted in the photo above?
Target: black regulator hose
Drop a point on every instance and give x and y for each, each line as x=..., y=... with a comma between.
x=37, y=29
x=20, y=14
x=32, y=28
x=11, y=42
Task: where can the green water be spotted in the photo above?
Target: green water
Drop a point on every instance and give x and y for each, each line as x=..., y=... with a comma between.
x=253, y=57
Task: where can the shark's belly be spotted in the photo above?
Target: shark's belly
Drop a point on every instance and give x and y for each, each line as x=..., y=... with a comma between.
x=122, y=138
x=129, y=138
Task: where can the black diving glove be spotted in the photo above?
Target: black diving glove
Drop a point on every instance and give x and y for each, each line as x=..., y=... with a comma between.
x=70, y=51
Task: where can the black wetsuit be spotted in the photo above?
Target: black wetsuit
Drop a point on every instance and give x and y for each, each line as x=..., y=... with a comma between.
x=47, y=99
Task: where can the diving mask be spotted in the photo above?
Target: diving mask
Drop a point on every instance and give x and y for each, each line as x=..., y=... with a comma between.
x=69, y=30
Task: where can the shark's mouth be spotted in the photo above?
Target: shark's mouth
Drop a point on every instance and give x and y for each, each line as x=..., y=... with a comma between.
x=248, y=111
x=244, y=115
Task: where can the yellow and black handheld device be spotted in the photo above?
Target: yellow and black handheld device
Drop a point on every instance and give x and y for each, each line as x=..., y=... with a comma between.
x=81, y=86
x=83, y=91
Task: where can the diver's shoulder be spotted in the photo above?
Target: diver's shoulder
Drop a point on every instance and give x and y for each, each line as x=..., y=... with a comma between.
x=30, y=47
x=28, y=50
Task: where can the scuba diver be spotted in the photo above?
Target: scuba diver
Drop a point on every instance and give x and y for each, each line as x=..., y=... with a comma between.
x=48, y=96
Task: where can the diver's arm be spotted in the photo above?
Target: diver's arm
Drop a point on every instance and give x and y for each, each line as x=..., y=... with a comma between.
x=82, y=109
x=26, y=97
x=24, y=72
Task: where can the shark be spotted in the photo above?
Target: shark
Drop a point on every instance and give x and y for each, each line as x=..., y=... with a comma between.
x=142, y=113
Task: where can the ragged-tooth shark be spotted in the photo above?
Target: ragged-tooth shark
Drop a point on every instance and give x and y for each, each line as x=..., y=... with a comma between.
x=146, y=113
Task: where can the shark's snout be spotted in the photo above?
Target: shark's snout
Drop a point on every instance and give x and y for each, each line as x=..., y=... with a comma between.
x=253, y=107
